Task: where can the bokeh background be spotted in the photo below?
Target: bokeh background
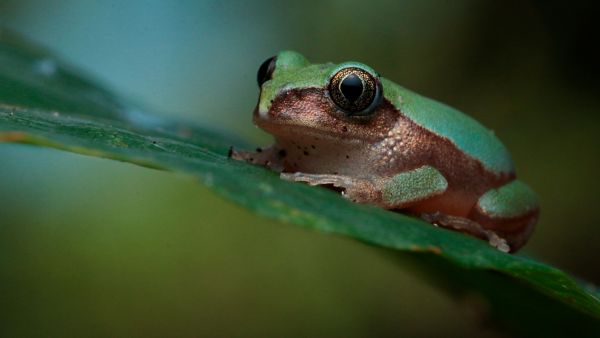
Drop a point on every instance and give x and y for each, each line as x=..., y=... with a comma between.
x=92, y=246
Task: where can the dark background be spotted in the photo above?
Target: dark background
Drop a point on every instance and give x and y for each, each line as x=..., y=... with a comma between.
x=91, y=245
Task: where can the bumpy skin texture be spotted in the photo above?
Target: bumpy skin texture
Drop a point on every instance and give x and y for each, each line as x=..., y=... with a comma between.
x=410, y=154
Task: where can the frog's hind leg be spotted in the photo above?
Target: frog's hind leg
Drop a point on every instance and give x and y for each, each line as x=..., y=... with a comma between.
x=510, y=211
x=504, y=216
x=467, y=226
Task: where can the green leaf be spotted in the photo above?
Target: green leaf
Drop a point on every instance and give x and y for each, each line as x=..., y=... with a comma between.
x=45, y=103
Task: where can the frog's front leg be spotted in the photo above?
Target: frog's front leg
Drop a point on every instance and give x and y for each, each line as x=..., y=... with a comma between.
x=271, y=157
x=358, y=190
x=394, y=192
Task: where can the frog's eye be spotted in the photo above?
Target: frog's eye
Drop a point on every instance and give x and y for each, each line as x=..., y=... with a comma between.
x=355, y=91
x=265, y=71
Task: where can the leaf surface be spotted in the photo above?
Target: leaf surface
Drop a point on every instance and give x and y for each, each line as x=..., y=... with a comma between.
x=45, y=103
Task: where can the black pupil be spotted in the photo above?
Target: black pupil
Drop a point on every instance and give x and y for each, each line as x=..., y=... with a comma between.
x=352, y=87
x=265, y=71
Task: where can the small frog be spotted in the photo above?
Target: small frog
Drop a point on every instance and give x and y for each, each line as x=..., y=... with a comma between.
x=345, y=127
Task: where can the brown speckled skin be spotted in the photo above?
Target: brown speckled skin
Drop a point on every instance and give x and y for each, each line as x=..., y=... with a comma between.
x=319, y=139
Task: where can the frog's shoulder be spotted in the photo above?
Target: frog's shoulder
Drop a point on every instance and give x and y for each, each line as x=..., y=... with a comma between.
x=463, y=131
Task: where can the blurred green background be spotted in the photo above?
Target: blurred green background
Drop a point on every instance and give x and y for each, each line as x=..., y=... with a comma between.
x=94, y=246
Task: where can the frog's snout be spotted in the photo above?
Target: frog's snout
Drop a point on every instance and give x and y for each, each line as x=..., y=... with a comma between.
x=256, y=116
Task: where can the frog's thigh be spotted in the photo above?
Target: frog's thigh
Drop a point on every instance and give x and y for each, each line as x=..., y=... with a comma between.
x=510, y=211
x=511, y=200
x=412, y=186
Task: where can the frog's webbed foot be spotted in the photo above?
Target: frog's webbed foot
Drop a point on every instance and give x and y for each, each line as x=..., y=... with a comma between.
x=355, y=189
x=468, y=226
x=271, y=157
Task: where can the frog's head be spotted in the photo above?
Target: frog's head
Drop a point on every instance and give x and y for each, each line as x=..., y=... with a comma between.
x=343, y=101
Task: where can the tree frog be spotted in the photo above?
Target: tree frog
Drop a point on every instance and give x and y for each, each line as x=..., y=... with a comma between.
x=345, y=127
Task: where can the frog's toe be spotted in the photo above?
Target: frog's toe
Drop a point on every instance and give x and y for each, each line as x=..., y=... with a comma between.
x=337, y=181
x=239, y=155
x=510, y=211
x=271, y=157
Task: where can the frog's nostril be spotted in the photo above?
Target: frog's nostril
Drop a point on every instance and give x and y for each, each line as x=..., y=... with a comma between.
x=265, y=71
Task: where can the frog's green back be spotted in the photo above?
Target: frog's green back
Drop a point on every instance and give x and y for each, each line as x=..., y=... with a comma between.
x=466, y=133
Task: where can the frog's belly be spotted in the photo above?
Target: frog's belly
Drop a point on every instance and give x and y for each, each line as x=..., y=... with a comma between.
x=316, y=157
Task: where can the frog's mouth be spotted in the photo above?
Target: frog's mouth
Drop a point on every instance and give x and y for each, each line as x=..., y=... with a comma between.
x=289, y=128
x=294, y=125
x=309, y=112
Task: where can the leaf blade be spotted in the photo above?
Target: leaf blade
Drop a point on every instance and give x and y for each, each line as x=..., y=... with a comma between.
x=99, y=124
